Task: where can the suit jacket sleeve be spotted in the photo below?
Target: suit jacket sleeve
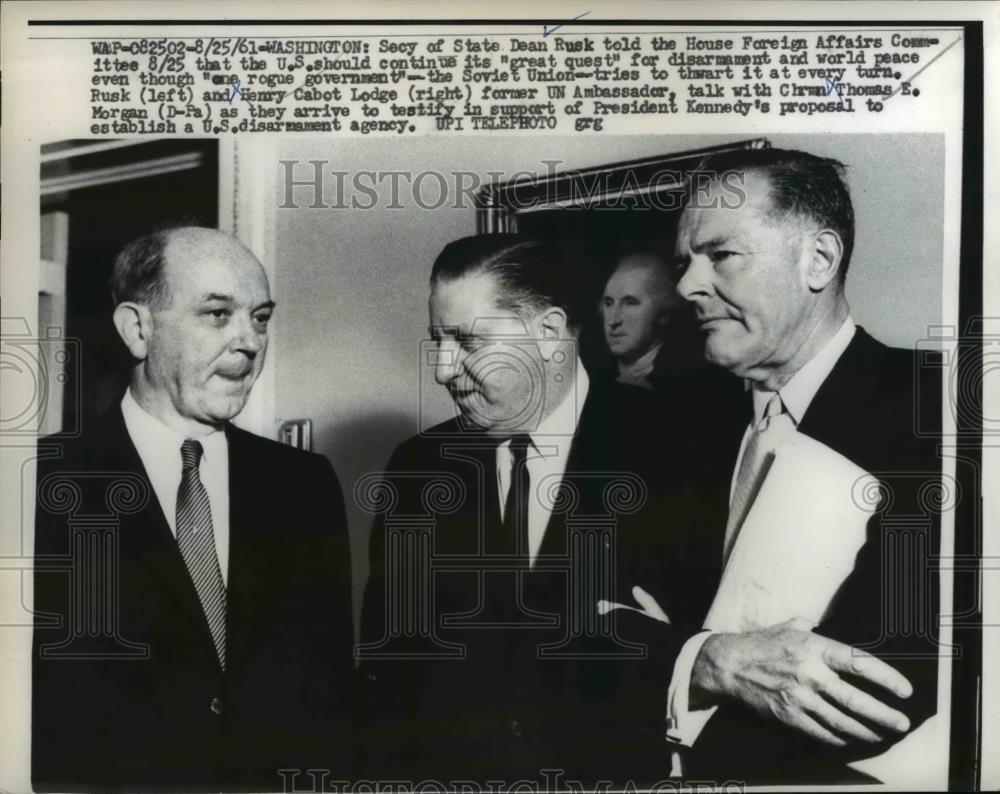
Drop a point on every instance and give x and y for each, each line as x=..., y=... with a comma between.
x=54, y=729
x=390, y=687
x=332, y=565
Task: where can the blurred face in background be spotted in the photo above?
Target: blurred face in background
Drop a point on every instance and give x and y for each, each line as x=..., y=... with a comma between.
x=636, y=307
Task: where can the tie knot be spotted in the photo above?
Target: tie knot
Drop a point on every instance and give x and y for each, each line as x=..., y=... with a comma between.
x=190, y=454
x=773, y=408
x=519, y=445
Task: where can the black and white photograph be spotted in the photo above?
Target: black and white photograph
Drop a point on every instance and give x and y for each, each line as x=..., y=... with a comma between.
x=471, y=436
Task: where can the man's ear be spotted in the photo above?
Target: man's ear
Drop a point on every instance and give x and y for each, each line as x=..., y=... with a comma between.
x=824, y=258
x=134, y=324
x=552, y=324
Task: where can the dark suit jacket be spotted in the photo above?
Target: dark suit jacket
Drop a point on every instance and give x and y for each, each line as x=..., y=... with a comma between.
x=875, y=410
x=127, y=688
x=459, y=692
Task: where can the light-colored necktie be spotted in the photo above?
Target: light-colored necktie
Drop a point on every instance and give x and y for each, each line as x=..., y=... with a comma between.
x=773, y=427
x=196, y=539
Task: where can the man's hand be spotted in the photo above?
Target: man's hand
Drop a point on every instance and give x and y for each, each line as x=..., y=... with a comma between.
x=791, y=674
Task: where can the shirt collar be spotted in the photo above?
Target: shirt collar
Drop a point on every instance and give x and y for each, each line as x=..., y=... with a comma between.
x=556, y=431
x=798, y=393
x=150, y=435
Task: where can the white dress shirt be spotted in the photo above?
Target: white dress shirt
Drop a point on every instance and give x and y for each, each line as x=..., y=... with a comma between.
x=684, y=724
x=546, y=460
x=159, y=448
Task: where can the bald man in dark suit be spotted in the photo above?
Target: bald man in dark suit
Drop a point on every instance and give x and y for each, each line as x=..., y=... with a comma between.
x=192, y=584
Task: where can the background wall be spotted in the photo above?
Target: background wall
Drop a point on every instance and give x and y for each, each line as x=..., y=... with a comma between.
x=351, y=284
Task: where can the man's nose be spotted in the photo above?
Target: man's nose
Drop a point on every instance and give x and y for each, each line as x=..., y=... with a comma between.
x=445, y=362
x=249, y=340
x=696, y=279
x=614, y=316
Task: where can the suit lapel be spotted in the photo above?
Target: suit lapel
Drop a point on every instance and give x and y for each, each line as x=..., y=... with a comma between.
x=477, y=524
x=490, y=516
x=589, y=452
x=145, y=536
x=251, y=531
x=554, y=538
x=827, y=418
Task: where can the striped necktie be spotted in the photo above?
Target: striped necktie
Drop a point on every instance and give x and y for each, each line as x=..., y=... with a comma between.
x=773, y=427
x=196, y=539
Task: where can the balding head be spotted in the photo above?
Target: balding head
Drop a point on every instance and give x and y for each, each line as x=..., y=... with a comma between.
x=138, y=272
x=192, y=307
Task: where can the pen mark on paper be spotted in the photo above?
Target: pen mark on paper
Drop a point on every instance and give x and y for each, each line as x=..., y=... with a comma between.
x=546, y=30
x=920, y=70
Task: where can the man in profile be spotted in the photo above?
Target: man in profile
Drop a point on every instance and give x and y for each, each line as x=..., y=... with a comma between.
x=503, y=664
x=764, y=268
x=192, y=584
